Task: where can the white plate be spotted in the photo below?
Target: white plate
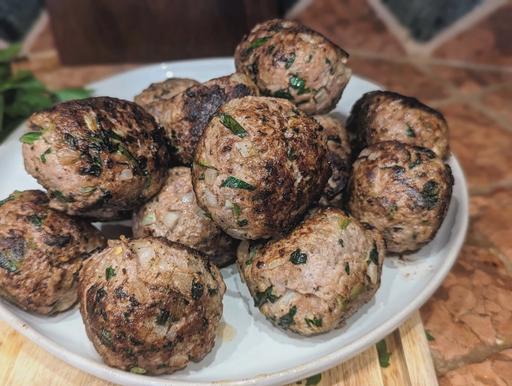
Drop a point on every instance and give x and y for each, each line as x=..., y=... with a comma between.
x=250, y=350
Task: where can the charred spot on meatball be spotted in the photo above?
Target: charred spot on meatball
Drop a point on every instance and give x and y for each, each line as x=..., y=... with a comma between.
x=185, y=115
x=150, y=305
x=98, y=157
x=243, y=174
x=403, y=191
x=41, y=253
x=329, y=266
x=288, y=60
x=388, y=116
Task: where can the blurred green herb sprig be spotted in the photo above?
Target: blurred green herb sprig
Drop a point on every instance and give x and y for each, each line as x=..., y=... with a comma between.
x=21, y=93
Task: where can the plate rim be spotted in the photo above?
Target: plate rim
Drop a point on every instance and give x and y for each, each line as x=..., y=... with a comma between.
x=101, y=370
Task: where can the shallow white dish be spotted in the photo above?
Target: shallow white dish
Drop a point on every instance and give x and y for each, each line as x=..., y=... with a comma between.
x=249, y=350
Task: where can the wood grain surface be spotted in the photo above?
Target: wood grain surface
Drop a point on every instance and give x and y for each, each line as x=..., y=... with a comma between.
x=24, y=363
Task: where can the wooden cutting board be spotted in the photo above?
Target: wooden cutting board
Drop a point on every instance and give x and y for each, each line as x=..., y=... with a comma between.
x=410, y=364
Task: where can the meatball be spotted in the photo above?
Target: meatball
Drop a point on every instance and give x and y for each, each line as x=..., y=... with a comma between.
x=387, y=116
x=338, y=154
x=166, y=89
x=149, y=305
x=259, y=165
x=174, y=214
x=185, y=115
x=41, y=253
x=313, y=279
x=288, y=60
x=97, y=157
x=402, y=190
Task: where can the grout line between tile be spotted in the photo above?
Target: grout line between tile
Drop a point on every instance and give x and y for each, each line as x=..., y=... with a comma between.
x=431, y=61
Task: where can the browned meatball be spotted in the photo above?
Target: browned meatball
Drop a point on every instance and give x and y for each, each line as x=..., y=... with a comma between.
x=338, y=155
x=313, y=279
x=387, y=116
x=162, y=90
x=402, y=190
x=174, y=214
x=288, y=60
x=97, y=157
x=185, y=115
x=149, y=305
x=259, y=165
x=41, y=253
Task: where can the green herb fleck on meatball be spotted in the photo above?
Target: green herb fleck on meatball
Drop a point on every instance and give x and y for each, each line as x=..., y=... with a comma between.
x=287, y=319
x=235, y=183
x=297, y=257
x=110, y=273
x=231, y=123
x=265, y=296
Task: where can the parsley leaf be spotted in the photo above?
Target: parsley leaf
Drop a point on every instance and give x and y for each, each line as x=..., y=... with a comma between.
x=230, y=123
x=235, y=183
x=384, y=355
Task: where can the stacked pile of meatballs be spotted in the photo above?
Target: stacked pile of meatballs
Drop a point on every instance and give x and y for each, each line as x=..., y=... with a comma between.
x=243, y=167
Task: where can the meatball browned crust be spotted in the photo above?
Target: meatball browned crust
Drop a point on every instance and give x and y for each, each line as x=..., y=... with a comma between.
x=288, y=60
x=41, y=253
x=163, y=90
x=185, y=115
x=173, y=213
x=388, y=116
x=313, y=279
x=97, y=157
x=339, y=155
x=150, y=305
x=259, y=165
x=402, y=190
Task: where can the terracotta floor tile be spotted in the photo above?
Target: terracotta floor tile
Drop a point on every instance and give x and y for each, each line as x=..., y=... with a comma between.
x=494, y=371
x=351, y=24
x=492, y=216
x=483, y=147
x=499, y=102
x=470, y=316
x=404, y=78
x=468, y=81
x=486, y=42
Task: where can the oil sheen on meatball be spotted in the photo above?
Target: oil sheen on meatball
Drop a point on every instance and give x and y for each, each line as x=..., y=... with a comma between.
x=288, y=60
x=258, y=167
x=150, y=306
x=185, y=115
x=402, y=190
x=338, y=154
x=41, y=253
x=173, y=213
x=313, y=279
x=97, y=157
x=163, y=90
x=387, y=116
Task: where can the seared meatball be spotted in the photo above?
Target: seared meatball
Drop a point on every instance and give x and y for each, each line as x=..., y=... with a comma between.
x=149, y=305
x=313, y=279
x=174, y=214
x=288, y=60
x=41, y=253
x=259, y=165
x=163, y=90
x=338, y=154
x=97, y=157
x=402, y=190
x=185, y=115
x=387, y=116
